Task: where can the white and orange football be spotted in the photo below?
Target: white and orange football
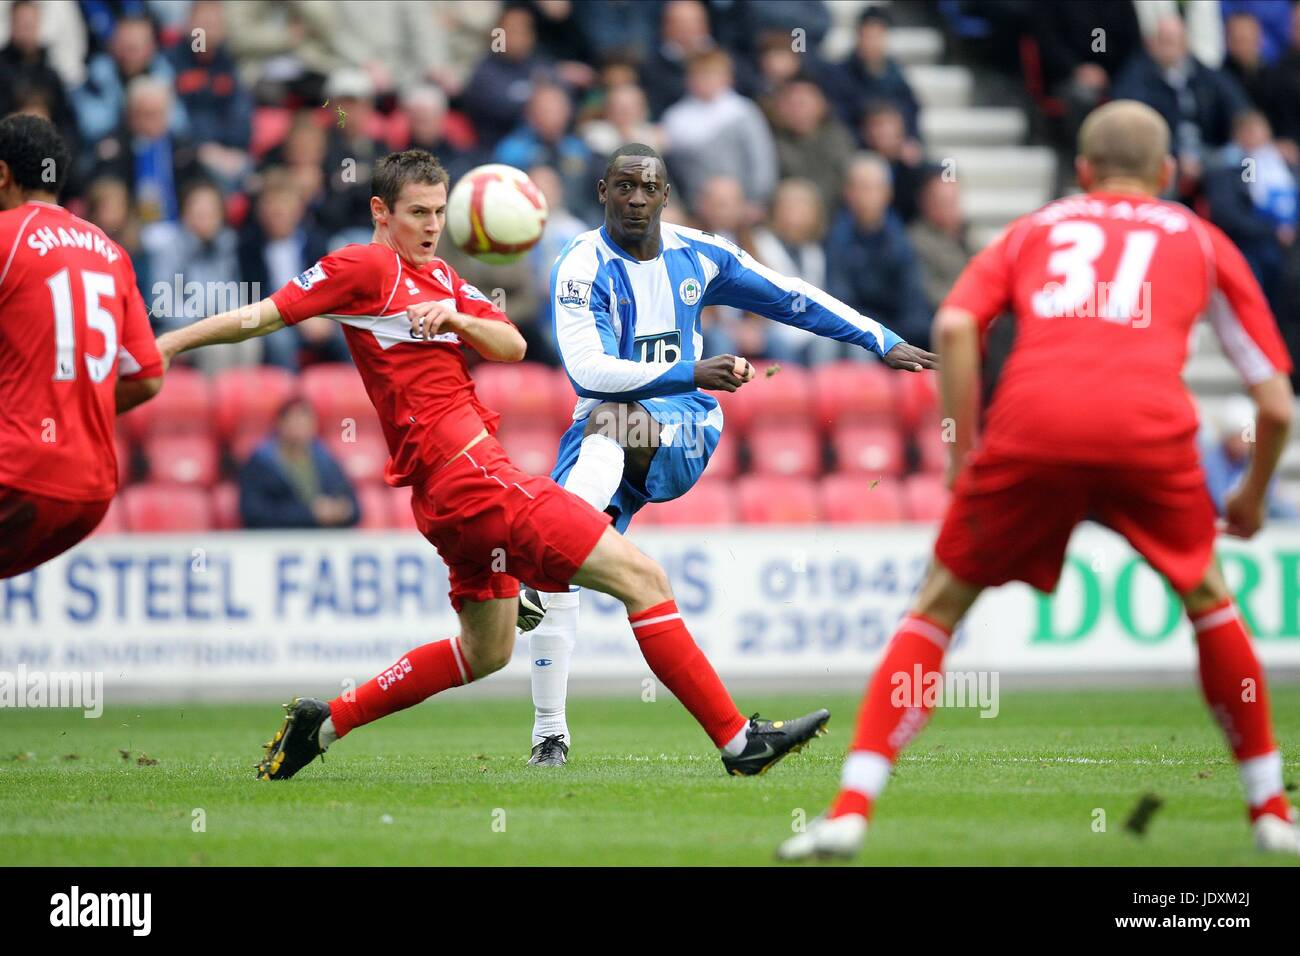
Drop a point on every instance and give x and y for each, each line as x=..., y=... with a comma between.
x=496, y=213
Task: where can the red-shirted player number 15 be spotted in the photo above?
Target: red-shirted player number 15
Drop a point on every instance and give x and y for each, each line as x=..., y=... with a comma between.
x=1080, y=294
x=96, y=287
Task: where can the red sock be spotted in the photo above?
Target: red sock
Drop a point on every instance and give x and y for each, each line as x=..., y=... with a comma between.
x=420, y=674
x=677, y=660
x=1234, y=687
x=893, y=711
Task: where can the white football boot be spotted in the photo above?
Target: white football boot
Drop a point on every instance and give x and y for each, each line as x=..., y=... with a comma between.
x=1275, y=835
x=839, y=838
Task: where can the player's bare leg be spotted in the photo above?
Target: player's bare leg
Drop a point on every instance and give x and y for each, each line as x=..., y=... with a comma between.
x=619, y=441
x=484, y=645
x=616, y=567
x=884, y=729
x=1234, y=687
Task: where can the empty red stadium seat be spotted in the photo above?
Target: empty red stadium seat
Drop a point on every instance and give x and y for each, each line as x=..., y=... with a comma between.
x=399, y=509
x=530, y=448
x=784, y=398
x=855, y=498
x=363, y=458
x=711, y=502
x=166, y=507
x=869, y=449
x=565, y=398
x=793, y=449
x=114, y=521
x=932, y=449
x=245, y=400
x=524, y=393
x=338, y=395
x=183, y=407
x=182, y=459
x=925, y=496
x=918, y=397
x=123, y=447
x=225, y=506
x=723, y=462
x=376, y=507
x=852, y=392
x=771, y=499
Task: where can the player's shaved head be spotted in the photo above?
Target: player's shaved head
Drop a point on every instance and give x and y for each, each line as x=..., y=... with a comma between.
x=634, y=150
x=1124, y=139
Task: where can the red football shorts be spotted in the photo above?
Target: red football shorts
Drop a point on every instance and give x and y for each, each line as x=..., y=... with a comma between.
x=496, y=525
x=34, y=528
x=1010, y=519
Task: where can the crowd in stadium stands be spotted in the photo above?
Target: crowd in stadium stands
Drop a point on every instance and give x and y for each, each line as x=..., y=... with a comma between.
x=227, y=146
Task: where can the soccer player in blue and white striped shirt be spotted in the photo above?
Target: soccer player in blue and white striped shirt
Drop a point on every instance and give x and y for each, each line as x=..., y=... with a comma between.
x=626, y=301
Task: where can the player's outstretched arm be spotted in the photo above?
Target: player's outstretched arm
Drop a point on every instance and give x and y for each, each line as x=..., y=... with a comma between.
x=246, y=322
x=497, y=341
x=1245, y=506
x=958, y=336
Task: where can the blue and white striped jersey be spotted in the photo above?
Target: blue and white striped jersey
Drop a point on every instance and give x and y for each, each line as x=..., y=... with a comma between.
x=629, y=330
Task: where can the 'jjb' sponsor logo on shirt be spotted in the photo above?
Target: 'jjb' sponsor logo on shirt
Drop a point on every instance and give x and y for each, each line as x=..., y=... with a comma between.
x=573, y=293
x=664, y=347
x=309, y=278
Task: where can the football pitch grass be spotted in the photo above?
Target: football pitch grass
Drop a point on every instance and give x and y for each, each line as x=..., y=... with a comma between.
x=446, y=783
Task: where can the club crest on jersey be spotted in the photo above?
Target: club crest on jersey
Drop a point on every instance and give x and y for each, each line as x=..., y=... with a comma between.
x=573, y=293
x=442, y=277
x=411, y=287
x=309, y=278
x=690, y=291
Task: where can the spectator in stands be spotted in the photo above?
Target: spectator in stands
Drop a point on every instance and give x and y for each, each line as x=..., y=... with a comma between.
x=939, y=237
x=561, y=40
x=884, y=133
x=1197, y=102
x=303, y=154
x=1202, y=26
x=870, y=263
x=741, y=29
x=779, y=62
x=811, y=143
x=1286, y=93
x=132, y=54
x=194, y=266
x=1252, y=196
x=396, y=45
x=220, y=110
x=544, y=139
x=1082, y=46
x=284, y=46
x=108, y=205
x=350, y=157
x=1273, y=19
x=153, y=162
x=292, y=481
x=277, y=244
x=714, y=131
x=683, y=34
x=500, y=87
x=791, y=244
x=870, y=75
x=25, y=68
x=1226, y=447
x=561, y=226
x=1245, y=60
x=61, y=33
x=624, y=118
x=425, y=107
x=622, y=28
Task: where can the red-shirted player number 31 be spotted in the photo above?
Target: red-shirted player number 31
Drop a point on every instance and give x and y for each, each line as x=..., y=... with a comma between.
x=96, y=286
x=1082, y=243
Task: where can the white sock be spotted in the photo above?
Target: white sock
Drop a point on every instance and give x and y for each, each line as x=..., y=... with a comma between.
x=598, y=471
x=552, y=641
x=327, y=734
x=1261, y=778
x=736, y=745
x=865, y=772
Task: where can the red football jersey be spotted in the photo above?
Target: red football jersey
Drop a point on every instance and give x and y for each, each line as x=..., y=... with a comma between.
x=1105, y=289
x=421, y=389
x=71, y=323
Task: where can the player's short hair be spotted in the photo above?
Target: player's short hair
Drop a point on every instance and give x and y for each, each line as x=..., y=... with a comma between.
x=35, y=153
x=1125, y=138
x=409, y=166
x=633, y=149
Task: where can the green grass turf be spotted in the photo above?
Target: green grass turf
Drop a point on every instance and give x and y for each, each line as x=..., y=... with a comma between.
x=643, y=786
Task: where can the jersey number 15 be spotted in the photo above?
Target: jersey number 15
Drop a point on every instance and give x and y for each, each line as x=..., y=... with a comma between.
x=95, y=286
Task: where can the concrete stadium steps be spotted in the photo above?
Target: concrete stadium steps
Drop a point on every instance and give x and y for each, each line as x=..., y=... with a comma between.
x=945, y=128
x=1210, y=373
x=1001, y=167
x=911, y=45
x=938, y=86
x=996, y=207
